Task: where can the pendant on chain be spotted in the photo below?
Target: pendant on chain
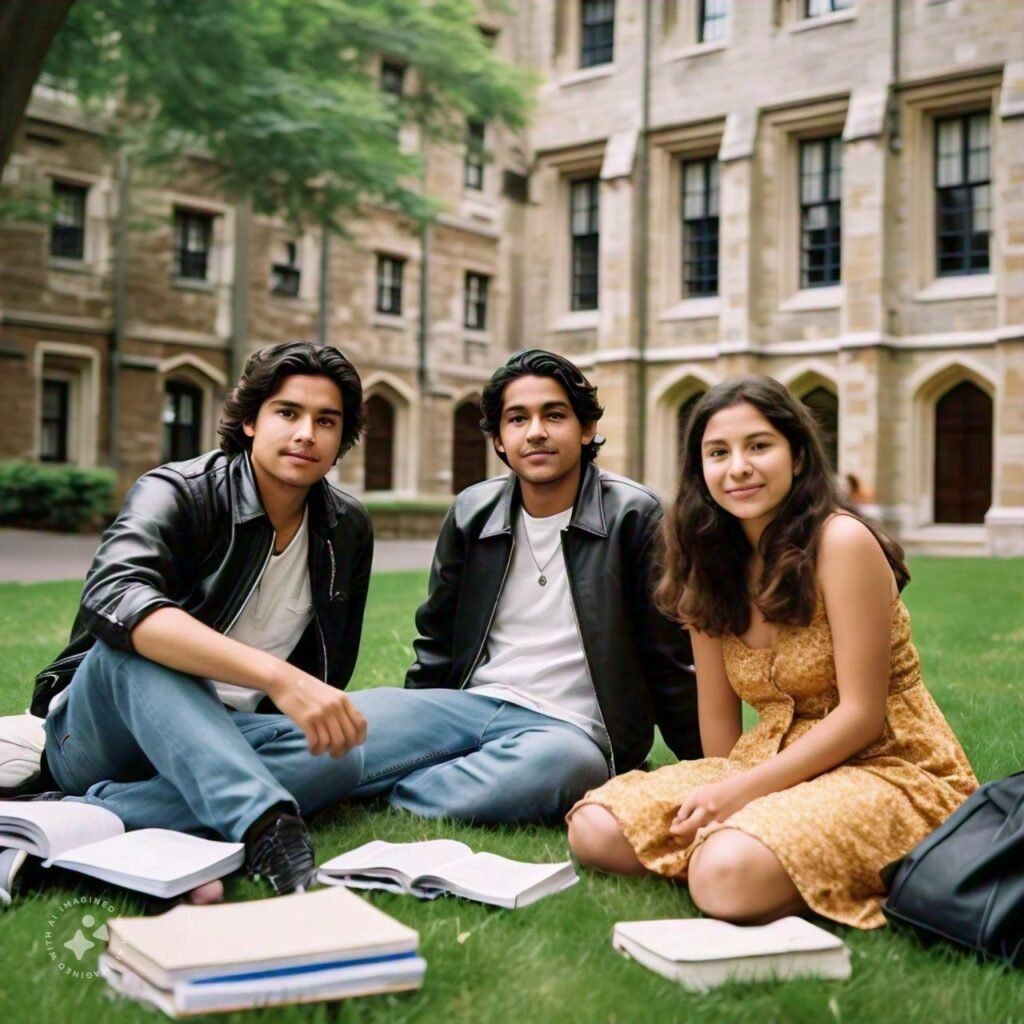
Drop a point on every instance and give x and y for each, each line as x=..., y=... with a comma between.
x=542, y=580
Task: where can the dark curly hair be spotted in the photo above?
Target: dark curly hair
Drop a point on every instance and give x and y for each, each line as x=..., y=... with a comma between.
x=704, y=553
x=264, y=371
x=535, y=362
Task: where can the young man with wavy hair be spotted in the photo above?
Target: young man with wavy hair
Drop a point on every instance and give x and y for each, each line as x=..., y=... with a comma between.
x=219, y=625
x=541, y=665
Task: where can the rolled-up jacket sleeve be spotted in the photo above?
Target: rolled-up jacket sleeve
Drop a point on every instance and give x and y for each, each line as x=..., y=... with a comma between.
x=138, y=565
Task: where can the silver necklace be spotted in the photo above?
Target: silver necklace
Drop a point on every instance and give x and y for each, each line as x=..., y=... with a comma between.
x=542, y=580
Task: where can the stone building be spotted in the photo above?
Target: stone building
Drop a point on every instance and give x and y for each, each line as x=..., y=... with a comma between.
x=829, y=191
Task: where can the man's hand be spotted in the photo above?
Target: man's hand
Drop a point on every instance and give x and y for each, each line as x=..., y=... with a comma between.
x=714, y=802
x=327, y=716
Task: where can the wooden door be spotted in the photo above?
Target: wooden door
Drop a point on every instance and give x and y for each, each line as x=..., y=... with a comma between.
x=469, y=447
x=380, y=444
x=963, y=455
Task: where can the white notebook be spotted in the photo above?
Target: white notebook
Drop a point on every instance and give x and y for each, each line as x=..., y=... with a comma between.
x=700, y=953
x=443, y=866
x=92, y=840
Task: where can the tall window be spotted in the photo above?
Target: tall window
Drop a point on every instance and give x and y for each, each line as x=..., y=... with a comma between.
x=392, y=77
x=700, y=227
x=714, y=18
x=820, y=211
x=597, y=32
x=585, y=236
x=193, y=233
x=475, y=311
x=963, y=194
x=816, y=8
x=182, y=418
x=285, y=273
x=53, y=433
x=67, y=233
x=469, y=447
x=389, y=285
x=473, y=170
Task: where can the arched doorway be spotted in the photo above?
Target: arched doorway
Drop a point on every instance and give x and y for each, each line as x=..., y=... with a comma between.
x=379, y=447
x=683, y=414
x=469, y=447
x=183, y=421
x=825, y=406
x=963, y=455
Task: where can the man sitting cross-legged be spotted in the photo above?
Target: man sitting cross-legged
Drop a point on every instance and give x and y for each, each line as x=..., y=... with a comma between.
x=219, y=624
x=541, y=665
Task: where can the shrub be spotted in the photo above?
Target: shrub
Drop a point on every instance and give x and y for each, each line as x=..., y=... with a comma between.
x=55, y=497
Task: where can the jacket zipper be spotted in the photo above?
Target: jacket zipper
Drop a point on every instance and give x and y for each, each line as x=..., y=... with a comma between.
x=483, y=643
x=586, y=660
x=256, y=583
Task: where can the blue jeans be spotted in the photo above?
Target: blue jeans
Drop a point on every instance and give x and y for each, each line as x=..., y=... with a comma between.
x=158, y=749
x=456, y=754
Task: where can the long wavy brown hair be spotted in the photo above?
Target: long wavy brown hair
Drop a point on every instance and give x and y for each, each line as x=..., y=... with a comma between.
x=704, y=553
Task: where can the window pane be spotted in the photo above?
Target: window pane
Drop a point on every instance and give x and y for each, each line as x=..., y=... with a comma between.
x=949, y=164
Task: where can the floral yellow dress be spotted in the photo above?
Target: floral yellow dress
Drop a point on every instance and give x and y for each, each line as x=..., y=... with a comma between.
x=833, y=833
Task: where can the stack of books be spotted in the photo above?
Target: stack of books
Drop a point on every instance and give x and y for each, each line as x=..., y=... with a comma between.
x=307, y=947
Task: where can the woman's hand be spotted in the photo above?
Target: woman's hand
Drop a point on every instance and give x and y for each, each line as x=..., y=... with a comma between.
x=715, y=802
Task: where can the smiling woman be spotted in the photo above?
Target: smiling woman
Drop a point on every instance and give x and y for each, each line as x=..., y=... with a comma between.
x=793, y=605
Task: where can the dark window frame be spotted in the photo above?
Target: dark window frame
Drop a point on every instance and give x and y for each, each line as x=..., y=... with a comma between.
x=192, y=263
x=476, y=147
x=286, y=276
x=597, y=32
x=585, y=236
x=67, y=230
x=390, y=272
x=392, y=77
x=182, y=440
x=823, y=8
x=474, y=308
x=960, y=248
x=700, y=231
x=61, y=422
x=821, y=215
x=712, y=21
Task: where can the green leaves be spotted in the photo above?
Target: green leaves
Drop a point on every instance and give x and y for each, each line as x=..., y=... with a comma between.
x=285, y=97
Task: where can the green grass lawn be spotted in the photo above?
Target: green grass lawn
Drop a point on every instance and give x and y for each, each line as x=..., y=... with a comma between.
x=553, y=961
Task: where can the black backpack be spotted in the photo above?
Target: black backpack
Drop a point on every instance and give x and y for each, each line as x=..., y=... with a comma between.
x=965, y=882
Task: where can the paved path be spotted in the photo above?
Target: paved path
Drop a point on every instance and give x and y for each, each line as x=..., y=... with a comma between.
x=31, y=556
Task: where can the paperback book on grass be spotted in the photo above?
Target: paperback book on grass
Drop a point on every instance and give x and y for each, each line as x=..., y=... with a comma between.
x=439, y=867
x=92, y=840
x=701, y=954
x=307, y=947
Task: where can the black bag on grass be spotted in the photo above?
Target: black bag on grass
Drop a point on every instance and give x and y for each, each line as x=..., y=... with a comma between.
x=965, y=882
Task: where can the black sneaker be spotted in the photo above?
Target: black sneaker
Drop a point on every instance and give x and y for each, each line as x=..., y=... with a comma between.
x=282, y=854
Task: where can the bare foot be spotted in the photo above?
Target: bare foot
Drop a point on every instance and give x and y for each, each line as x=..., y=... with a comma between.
x=210, y=892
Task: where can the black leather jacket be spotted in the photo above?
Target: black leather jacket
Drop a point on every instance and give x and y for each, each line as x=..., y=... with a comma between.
x=195, y=535
x=639, y=661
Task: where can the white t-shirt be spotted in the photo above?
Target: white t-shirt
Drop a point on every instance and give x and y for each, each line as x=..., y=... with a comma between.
x=276, y=614
x=534, y=656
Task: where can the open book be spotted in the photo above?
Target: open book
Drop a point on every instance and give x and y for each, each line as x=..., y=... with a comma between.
x=701, y=953
x=443, y=866
x=303, y=947
x=92, y=840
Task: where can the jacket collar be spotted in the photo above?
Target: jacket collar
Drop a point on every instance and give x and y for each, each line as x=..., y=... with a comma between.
x=587, y=512
x=247, y=504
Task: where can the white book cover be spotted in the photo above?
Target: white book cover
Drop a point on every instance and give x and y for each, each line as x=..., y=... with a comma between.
x=701, y=953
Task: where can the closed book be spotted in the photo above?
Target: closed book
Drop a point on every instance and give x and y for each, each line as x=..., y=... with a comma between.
x=283, y=933
x=701, y=954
